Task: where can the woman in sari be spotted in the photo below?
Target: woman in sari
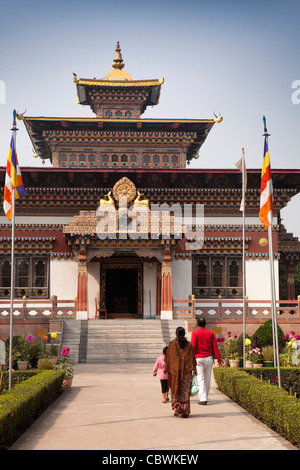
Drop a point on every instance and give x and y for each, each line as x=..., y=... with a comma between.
x=180, y=363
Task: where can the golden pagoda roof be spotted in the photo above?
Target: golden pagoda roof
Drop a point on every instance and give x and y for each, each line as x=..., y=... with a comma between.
x=117, y=77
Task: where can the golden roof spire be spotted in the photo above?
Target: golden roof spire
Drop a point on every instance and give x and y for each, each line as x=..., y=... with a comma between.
x=118, y=63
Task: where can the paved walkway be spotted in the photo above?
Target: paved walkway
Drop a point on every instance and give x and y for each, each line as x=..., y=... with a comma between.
x=119, y=407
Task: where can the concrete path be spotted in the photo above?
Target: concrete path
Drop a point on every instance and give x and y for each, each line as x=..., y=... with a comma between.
x=119, y=407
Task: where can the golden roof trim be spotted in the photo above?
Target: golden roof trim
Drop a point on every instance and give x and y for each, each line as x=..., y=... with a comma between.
x=97, y=119
x=120, y=82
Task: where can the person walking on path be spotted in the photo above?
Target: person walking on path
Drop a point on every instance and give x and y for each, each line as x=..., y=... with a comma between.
x=160, y=366
x=204, y=344
x=180, y=363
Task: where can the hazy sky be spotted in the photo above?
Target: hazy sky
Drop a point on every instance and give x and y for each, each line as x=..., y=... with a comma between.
x=234, y=57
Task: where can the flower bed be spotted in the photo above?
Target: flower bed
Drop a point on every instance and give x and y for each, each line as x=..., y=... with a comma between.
x=25, y=402
x=271, y=405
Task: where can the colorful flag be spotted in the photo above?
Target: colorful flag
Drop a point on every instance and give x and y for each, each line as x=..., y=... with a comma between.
x=13, y=178
x=266, y=190
x=241, y=165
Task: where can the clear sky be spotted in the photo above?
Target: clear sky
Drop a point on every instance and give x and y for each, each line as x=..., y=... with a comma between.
x=236, y=58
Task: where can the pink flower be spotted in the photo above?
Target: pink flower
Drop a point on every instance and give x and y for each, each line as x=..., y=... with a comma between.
x=297, y=337
x=29, y=338
x=65, y=351
x=287, y=337
x=292, y=333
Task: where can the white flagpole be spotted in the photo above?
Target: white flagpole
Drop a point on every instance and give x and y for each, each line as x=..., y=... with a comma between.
x=273, y=290
x=244, y=262
x=12, y=268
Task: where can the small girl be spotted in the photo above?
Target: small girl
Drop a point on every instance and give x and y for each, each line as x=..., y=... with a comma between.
x=160, y=364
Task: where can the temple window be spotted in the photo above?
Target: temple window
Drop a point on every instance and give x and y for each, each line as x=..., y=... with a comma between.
x=63, y=160
x=72, y=159
x=108, y=114
x=105, y=159
x=91, y=159
x=128, y=114
x=146, y=159
x=156, y=160
x=165, y=159
x=82, y=159
x=217, y=276
x=133, y=159
x=118, y=114
x=174, y=159
x=114, y=158
x=124, y=158
x=31, y=277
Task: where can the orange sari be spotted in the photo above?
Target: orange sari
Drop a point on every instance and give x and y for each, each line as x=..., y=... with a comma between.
x=179, y=364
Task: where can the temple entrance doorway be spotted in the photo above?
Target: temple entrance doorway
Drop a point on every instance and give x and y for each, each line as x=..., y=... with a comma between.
x=121, y=289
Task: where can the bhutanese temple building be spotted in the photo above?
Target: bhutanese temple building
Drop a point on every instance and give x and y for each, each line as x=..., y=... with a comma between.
x=72, y=260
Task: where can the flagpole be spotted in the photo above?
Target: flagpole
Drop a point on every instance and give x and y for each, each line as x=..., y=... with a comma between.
x=244, y=263
x=14, y=129
x=272, y=278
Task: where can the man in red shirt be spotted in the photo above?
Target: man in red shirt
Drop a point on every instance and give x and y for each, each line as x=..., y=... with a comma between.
x=204, y=343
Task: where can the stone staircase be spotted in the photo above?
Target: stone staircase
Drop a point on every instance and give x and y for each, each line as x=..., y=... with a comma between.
x=117, y=341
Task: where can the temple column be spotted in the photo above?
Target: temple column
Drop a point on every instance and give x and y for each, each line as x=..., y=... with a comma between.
x=82, y=313
x=158, y=289
x=166, y=311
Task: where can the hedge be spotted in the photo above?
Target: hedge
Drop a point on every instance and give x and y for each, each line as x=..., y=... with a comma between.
x=16, y=378
x=21, y=405
x=290, y=377
x=268, y=403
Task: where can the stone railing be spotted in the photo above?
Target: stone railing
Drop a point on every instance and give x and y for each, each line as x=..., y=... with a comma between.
x=223, y=309
x=26, y=309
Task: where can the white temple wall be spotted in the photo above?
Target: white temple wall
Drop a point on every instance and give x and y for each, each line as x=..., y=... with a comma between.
x=93, y=288
x=181, y=278
x=149, y=289
x=63, y=278
x=258, y=284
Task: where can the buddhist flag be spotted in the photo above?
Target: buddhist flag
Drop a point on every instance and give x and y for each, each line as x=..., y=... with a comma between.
x=266, y=190
x=241, y=165
x=13, y=177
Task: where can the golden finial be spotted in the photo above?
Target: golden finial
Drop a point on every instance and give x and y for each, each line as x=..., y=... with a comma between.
x=118, y=63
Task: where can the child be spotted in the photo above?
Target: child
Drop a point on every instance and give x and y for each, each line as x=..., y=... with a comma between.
x=160, y=364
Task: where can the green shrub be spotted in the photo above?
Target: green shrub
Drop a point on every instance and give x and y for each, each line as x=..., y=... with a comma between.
x=265, y=334
x=44, y=364
x=268, y=403
x=25, y=402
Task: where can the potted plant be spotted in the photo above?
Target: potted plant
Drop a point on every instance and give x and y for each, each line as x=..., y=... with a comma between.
x=66, y=365
x=268, y=356
x=255, y=355
x=248, y=359
x=24, y=352
x=235, y=360
x=290, y=346
x=44, y=339
x=231, y=350
x=220, y=340
x=53, y=349
x=35, y=351
x=15, y=352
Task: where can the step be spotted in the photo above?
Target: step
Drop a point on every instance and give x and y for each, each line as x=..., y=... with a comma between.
x=118, y=340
